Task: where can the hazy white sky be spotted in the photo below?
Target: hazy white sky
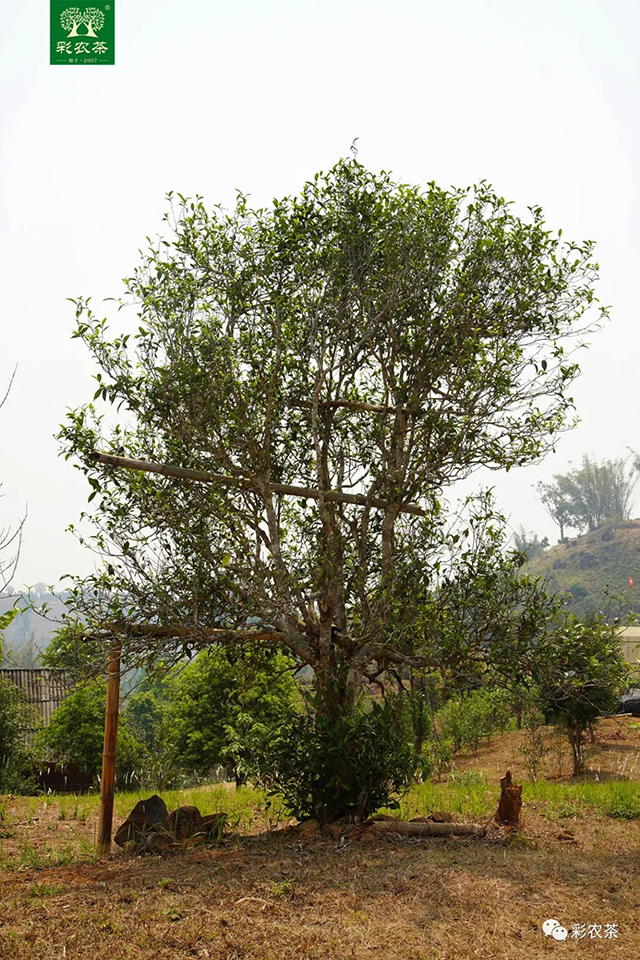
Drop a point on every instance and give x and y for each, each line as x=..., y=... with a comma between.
x=541, y=98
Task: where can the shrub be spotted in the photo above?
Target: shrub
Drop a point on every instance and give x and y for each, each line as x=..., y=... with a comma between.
x=351, y=766
x=478, y=715
x=17, y=720
x=76, y=732
x=225, y=703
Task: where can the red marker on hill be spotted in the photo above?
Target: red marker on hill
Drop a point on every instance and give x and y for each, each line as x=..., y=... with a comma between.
x=630, y=581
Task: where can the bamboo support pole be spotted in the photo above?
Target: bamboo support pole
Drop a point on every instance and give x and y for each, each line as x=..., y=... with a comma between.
x=108, y=782
x=306, y=493
x=179, y=630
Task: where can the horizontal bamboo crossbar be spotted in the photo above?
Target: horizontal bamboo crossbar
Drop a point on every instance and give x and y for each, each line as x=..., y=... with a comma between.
x=305, y=493
x=178, y=630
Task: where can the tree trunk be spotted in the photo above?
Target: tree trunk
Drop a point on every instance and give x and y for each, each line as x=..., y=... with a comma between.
x=574, y=730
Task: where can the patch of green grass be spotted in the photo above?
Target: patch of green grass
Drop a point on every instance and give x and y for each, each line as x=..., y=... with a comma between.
x=43, y=891
x=611, y=798
x=467, y=794
x=622, y=801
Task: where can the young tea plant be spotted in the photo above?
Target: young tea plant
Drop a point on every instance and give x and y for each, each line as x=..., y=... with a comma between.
x=535, y=746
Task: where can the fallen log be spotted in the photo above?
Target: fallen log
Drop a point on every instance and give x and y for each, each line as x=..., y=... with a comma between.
x=426, y=829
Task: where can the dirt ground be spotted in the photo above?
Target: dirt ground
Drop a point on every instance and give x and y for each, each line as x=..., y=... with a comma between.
x=275, y=895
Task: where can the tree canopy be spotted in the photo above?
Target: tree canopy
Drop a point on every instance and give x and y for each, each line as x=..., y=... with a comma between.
x=580, y=671
x=365, y=341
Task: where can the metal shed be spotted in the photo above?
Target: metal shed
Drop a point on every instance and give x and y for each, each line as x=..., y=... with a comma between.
x=43, y=687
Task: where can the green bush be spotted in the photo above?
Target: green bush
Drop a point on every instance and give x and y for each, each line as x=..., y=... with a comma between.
x=225, y=703
x=75, y=734
x=17, y=720
x=468, y=720
x=352, y=766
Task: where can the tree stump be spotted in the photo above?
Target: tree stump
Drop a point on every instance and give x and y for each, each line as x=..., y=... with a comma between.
x=510, y=801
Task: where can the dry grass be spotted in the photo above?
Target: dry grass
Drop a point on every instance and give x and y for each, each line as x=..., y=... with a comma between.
x=270, y=894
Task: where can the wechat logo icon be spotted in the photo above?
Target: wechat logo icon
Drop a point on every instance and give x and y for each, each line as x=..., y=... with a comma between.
x=551, y=928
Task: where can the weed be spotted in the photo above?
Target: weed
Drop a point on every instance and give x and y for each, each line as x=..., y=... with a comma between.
x=172, y=913
x=466, y=778
x=284, y=890
x=43, y=891
x=517, y=839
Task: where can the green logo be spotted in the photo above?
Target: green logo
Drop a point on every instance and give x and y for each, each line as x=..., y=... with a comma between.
x=83, y=34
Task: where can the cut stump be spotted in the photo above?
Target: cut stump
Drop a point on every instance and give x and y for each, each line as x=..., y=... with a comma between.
x=510, y=801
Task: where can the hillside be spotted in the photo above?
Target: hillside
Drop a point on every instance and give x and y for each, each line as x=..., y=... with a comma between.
x=595, y=566
x=30, y=633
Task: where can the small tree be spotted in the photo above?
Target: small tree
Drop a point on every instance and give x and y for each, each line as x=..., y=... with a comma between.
x=17, y=721
x=580, y=671
x=226, y=701
x=75, y=734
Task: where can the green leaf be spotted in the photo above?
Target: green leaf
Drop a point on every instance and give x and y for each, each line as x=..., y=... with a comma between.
x=8, y=617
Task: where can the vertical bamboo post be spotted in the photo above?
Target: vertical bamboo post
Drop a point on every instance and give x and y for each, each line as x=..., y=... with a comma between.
x=107, y=785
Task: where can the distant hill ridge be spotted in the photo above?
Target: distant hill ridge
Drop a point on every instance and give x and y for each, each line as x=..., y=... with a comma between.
x=594, y=566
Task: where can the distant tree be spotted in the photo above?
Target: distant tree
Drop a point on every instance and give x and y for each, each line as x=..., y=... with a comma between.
x=557, y=505
x=528, y=543
x=591, y=493
x=26, y=655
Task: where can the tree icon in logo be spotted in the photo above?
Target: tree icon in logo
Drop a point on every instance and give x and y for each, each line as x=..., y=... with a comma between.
x=73, y=17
